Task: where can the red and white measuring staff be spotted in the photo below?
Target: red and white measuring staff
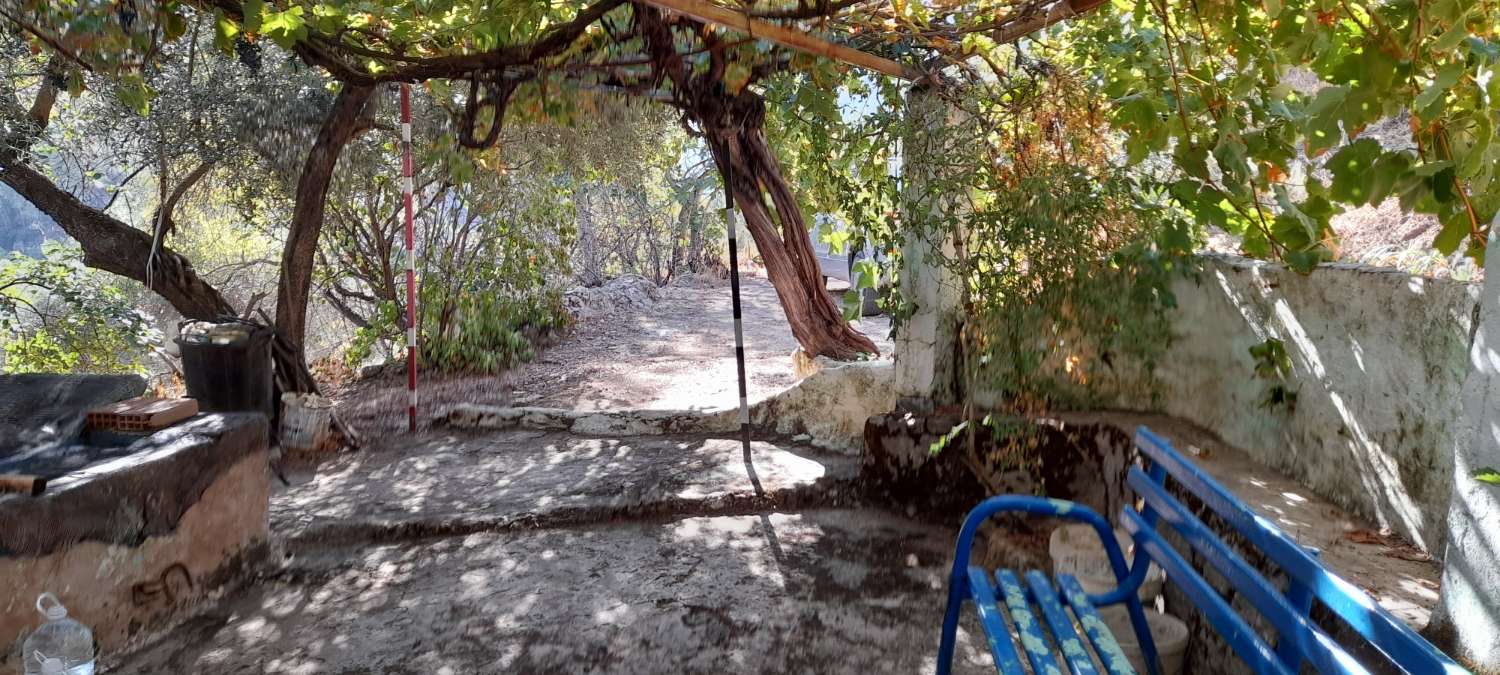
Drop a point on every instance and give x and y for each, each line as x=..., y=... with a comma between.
x=411, y=260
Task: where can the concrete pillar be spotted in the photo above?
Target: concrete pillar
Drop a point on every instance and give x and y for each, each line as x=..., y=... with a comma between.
x=1467, y=621
x=926, y=345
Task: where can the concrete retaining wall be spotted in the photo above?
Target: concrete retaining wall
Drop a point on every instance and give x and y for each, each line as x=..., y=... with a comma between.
x=131, y=545
x=1378, y=362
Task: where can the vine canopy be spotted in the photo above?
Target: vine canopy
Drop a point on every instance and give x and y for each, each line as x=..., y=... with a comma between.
x=1261, y=112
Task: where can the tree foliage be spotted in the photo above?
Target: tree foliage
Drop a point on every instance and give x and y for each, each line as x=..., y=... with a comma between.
x=1263, y=109
x=58, y=316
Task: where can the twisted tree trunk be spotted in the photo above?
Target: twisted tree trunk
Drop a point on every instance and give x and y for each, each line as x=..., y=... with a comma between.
x=734, y=127
x=340, y=126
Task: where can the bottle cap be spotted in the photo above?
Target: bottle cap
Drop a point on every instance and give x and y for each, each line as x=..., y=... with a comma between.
x=54, y=611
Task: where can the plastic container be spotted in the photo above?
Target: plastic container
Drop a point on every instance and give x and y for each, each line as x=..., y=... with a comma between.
x=1168, y=632
x=305, y=421
x=60, y=640
x=1076, y=550
x=227, y=367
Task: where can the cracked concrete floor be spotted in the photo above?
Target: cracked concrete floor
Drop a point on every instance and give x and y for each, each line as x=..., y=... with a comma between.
x=821, y=591
x=529, y=552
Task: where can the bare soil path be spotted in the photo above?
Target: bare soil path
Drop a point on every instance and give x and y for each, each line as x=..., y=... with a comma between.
x=677, y=355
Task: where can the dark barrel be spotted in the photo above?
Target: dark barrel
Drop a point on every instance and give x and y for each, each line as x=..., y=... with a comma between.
x=231, y=377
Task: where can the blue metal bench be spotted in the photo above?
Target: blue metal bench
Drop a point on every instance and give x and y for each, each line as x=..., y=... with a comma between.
x=1298, y=640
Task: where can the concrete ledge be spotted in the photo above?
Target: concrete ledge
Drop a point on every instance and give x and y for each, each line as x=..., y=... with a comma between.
x=126, y=591
x=830, y=406
x=128, y=499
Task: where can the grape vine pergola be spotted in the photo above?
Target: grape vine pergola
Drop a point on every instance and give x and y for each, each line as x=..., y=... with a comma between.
x=694, y=55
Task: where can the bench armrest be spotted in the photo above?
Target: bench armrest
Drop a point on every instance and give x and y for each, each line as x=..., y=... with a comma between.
x=1128, y=583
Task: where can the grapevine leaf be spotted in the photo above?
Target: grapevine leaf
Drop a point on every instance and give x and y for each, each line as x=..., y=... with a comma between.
x=1352, y=168
x=1426, y=102
x=1488, y=475
x=1455, y=228
x=251, y=10
x=224, y=32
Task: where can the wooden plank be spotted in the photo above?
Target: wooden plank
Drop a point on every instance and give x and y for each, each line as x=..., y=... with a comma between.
x=784, y=36
x=1073, y=651
x=1110, y=655
x=1028, y=628
x=1007, y=662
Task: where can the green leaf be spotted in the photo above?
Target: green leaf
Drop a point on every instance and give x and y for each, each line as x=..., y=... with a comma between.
x=252, y=10
x=135, y=94
x=175, y=26
x=867, y=274
x=1488, y=475
x=853, y=305
x=736, y=76
x=224, y=32
x=1425, y=102
x=1303, y=262
x=1455, y=228
x=285, y=27
x=75, y=82
x=1352, y=167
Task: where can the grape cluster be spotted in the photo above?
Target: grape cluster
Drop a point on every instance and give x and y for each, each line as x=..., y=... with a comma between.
x=126, y=14
x=249, y=53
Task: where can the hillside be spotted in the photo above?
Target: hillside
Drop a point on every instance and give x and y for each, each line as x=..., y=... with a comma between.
x=22, y=227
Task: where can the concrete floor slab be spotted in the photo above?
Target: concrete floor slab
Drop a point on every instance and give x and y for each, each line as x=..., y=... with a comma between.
x=454, y=484
x=820, y=591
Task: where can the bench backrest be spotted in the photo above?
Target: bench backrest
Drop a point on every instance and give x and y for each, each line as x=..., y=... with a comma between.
x=1287, y=611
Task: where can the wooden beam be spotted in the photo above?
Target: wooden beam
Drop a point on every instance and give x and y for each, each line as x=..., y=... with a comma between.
x=786, y=37
x=1060, y=11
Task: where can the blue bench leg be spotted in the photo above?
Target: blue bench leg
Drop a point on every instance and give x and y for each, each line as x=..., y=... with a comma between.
x=957, y=590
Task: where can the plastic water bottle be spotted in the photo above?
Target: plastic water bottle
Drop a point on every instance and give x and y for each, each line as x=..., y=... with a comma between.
x=59, y=643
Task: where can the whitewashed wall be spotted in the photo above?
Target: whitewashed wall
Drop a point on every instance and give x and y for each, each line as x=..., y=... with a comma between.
x=1379, y=359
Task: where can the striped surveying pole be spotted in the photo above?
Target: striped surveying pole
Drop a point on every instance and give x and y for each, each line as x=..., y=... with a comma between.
x=739, y=326
x=411, y=261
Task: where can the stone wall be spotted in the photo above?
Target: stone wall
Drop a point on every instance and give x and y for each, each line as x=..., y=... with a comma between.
x=1378, y=363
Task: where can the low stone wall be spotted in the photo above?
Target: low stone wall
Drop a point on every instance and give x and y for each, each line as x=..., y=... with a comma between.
x=129, y=544
x=1378, y=363
x=1378, y=360
x=829, y=406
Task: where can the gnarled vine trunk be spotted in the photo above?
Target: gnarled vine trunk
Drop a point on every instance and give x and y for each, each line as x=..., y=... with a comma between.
x=341, y=125
x=734, y=127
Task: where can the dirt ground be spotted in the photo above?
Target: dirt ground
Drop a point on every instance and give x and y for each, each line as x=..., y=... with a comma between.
x=678, y=355
x=532, y=551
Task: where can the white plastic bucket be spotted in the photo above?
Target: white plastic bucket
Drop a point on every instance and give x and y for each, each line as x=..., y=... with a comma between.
x=1076, y=550
x=1168, y=632
x=305, y=420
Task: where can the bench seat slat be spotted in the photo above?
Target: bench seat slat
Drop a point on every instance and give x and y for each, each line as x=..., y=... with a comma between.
x=1229, y=625
x=1328, y=656
x=1068, y=642
x=1105, y=645
x=1028, y=628
x=1383, y=630
x=993, y=623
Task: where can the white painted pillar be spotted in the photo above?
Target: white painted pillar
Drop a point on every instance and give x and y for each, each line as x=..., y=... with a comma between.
x=1468, y=617
x=926, y=347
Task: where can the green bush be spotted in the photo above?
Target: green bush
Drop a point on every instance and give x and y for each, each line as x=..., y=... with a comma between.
x=58, y=316
x=471, y=332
